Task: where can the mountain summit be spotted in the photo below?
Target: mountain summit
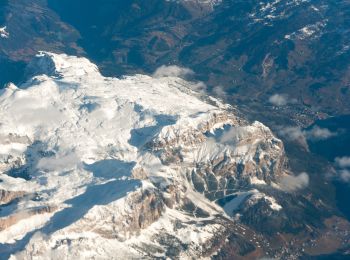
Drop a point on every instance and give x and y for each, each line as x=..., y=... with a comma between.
x=139, y=166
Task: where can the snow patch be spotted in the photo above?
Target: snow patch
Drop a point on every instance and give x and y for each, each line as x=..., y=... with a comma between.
x=4, y=33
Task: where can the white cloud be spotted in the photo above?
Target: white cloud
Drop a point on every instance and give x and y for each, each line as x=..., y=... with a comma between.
x=343, y=162
x=172, y=71
x=292, y=183
x=292, y=133
x=219, y=92
x=180, y=72
x=199, y=87
x=59, y=162
x=278, y=100
x=314, y=134
x=233, y=135
x=30, y=111
x=47, y=116
x=344, y=175
x=318, y=133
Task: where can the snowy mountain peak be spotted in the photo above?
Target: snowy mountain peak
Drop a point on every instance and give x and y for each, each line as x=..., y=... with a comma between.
x=117, y=163
x=53, y=64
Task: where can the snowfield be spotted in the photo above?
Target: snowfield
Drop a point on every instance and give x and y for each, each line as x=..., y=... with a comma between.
x=96, y=167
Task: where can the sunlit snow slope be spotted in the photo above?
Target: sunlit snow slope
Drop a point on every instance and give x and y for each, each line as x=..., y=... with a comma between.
x=105, y=167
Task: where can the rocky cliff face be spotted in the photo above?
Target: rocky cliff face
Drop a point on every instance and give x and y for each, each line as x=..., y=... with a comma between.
x=134, y=167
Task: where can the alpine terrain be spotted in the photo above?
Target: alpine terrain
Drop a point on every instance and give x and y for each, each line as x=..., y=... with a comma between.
x=174, y=129
x=141, y=166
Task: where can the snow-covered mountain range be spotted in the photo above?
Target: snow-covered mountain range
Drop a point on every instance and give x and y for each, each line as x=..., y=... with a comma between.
x=134, y=167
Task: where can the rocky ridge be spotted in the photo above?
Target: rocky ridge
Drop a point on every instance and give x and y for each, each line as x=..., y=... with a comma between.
x=88, y=160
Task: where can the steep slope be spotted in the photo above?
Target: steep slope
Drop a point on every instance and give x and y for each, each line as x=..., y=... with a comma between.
x=30, y=26
x=138, y=166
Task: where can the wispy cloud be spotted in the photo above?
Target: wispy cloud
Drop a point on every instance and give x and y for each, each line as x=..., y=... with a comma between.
x=281, y=100
x=278, y=100
x=292, y=133
x=59, y=162
x=344, y=175
x=316, y=133
x=343, y=162
x=219, y=92
x=29, y=111
x=199, y=87
x=172, y=71
x=232, y=135
x=292, y=183
x=342, y=172
x=181, y=72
